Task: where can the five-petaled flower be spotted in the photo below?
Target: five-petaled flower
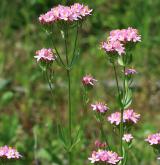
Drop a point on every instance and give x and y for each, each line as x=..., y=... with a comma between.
x=153, y=139
x=99, y=107
x=127, y=138
x=88, y=80
x=45, y=55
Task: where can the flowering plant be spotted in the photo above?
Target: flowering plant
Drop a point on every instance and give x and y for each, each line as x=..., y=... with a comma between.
x=118, y=48
x=67, y=20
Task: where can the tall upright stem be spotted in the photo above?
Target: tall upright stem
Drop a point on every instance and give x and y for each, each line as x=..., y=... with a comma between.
x=121, y=109
x=115, y=72
x=69, y=115
x=121, y=132
x=69, y=95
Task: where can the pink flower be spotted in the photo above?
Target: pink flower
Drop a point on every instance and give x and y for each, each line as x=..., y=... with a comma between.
x=66, y=13
x=127, y=137
x=99, y=144
x=153, y=139
x=45, y=55
x=85, y=11
x=115, y=118
x=129, y=116
x=130, y=72
x=104, y=156
x=94, y=157
x=132, y=35
x=118, y=39
x=113, y=157
x=113, y=47
x=125, y=35
x=9, y=153
x=99, y=107
x=47, y=18
x=88, y=80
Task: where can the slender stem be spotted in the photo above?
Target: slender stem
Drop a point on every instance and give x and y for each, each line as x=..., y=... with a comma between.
x=69, y=115
x=121, y=109
x=103, y=133
x=116, y=76
x=49, y=83
x=75, y=44
x=57, y=53
x=69, y=96
x=121, y=132
x=65, y=42
x=69, y=104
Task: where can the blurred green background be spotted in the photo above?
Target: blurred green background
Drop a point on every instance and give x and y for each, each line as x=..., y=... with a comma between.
x=27, y=117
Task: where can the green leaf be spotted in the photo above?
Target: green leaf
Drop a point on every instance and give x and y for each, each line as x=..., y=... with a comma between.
x=75, y=58
x=43, y=154
x=76, y=140
x=62, y=34
x=120, y=100
x=120, y=61
x=4, y=83
x=62, y=137
x=113, y=58
x=128, y=104
x=57, y=160
x=7, y=97
x=43, y=66
x=127, y=99
x=129, y=59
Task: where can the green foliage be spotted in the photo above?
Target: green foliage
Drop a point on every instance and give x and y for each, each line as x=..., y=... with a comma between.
x=25, y=99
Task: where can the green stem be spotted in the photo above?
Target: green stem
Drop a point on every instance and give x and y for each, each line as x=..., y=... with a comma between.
x=3, y=162
x=75, y=44
x=104, y=137
x=121, y=109
x=49, y=82
x=116, y=76
x=70, y=116
x=57, y=53
x=121, y=133
x=69, y=96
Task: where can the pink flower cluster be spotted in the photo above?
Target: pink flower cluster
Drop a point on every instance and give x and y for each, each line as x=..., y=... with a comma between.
x=125, y=35
x=127, y=138
x=104, y=156
x=153, y=139
x=118, y=38
x=9, y=153
x=113, y=47
x=66, y=13
x=45, y=55
x=88, y=80
x=130, y=72
x=129, y=116
x=99, y=107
